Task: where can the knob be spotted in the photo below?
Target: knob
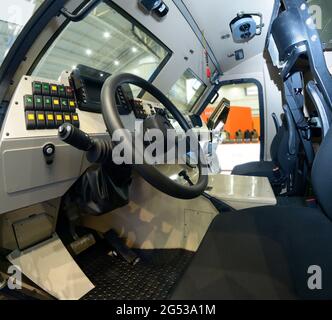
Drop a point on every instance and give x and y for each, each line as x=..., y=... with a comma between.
x=49, y=153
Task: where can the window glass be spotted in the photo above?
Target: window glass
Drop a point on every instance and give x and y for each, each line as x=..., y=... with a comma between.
x=14, y=15
x=321, y=11
x=104, y=40
x=186, y=91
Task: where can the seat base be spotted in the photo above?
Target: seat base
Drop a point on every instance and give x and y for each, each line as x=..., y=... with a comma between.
x=261, y=253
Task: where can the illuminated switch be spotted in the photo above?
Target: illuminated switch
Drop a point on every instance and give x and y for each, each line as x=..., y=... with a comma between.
x=28, y=103
x=58, y=119
x=75, y=120
x=45, y=88
x=39, y=103
x=40, y=120
x=62, y=91
x=30, y=120
x=72, y=105
x=56, y=104
x=67, y=117
x=64, y=105
x=54, y=90
x=50, y=121
x=36, y=87
x=48, y=104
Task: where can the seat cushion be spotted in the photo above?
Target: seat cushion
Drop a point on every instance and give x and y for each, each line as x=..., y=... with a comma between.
x=257, y=169
x=261, y=253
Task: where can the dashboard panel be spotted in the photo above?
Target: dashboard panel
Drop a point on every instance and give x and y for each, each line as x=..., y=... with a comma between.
x=38, y=107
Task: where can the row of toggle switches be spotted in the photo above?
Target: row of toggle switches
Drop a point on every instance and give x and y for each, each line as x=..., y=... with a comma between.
x=49, y=120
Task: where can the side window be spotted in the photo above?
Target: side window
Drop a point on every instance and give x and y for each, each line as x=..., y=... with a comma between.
x=236, y=116
x=186, y=91
x=14, y=15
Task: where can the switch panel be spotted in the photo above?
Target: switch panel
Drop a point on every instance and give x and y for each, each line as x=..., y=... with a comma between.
x=49, y=106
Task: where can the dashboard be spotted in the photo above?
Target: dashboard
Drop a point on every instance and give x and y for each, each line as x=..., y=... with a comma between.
x=38, y=107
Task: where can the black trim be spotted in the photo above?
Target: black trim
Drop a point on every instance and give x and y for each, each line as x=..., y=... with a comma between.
x=261, y=105
x=275, y=13
x=17, y=53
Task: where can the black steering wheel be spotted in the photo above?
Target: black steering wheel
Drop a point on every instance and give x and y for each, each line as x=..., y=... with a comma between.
x=149, y=172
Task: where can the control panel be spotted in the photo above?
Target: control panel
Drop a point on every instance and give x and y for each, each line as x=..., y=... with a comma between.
x=143, y=109
x=49, y=105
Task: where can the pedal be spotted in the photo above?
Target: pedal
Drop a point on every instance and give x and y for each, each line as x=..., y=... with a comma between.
x=120, y=248
x=82, y=244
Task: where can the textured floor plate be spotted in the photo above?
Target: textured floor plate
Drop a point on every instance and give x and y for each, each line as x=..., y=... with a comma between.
x=154, y=277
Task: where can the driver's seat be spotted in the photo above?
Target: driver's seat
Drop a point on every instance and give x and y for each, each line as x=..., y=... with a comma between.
x=268, y=252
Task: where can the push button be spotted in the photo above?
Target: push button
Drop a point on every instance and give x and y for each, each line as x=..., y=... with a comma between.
x=36, y=87
x=40, y=120
x=45, y=89
x=30, y=120
x=75, y=120
x=67, y=117
x=58, y=119
x=50, y=121
x=62, y=91
x=48, y=104
x=69, y=92
x=39, y=103
x=56, y=104
x=64, y=105
x=28, y=102
x=72, y=105
x=54, y=90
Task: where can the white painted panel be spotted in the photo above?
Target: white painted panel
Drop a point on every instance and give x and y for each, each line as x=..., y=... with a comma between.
x=214, y=17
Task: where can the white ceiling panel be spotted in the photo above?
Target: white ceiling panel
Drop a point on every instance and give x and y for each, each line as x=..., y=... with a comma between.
x=213, y=17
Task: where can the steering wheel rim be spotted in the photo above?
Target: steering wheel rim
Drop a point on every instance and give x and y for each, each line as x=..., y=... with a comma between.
x=113, y=122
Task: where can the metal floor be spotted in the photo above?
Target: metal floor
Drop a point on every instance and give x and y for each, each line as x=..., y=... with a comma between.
x=153, y=278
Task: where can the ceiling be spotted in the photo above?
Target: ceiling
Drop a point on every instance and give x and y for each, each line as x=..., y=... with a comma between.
x=213, y=17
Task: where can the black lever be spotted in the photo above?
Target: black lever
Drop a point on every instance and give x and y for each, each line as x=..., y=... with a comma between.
x=218, y=204
x=82, y=14
x=75, y=137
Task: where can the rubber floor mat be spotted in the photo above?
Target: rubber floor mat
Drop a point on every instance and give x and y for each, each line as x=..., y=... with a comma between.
x=153, y=278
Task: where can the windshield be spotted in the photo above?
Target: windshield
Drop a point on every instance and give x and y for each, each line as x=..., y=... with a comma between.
x=14, y=15
x=106, y=40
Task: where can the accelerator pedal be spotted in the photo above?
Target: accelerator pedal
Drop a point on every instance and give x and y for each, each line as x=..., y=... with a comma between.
x=82, y=244
x=120, y=248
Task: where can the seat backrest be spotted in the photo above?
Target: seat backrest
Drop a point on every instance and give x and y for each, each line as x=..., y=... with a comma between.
x=321, y=175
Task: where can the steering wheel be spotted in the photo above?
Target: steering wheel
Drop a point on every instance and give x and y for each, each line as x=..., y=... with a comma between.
x=149, y=172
